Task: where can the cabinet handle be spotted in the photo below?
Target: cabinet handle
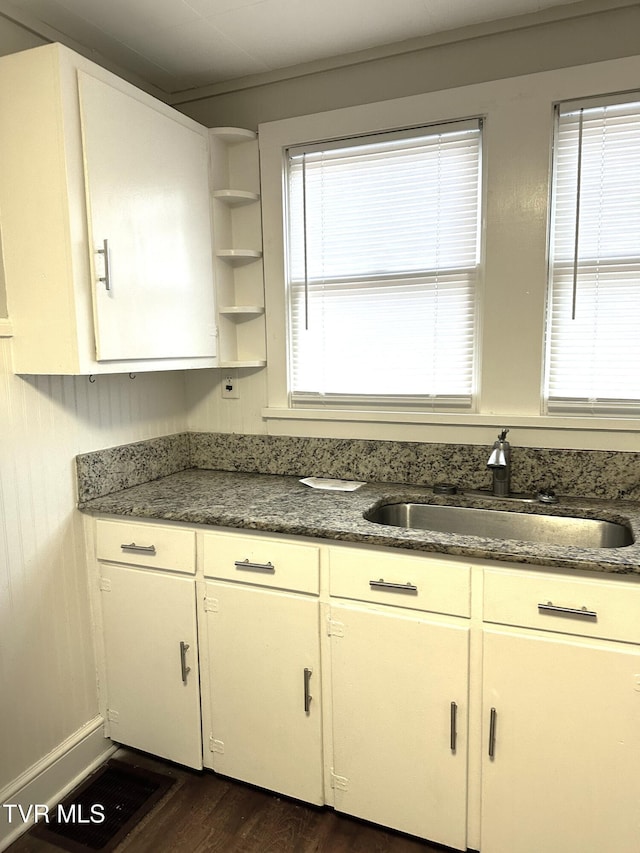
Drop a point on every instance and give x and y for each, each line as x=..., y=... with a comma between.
x=581, y=612
x=254, y=567
x=396, y=587
x=183, y=661
x=106, y=278
x=307, y=696
x=454, y=732
x=492, y=732
x=139, y=549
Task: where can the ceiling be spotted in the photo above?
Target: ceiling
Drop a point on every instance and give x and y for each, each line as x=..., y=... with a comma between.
x=177, y=45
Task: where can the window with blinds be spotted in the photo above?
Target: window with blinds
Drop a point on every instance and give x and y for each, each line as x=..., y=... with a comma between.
x=593, y=324
x=383, y=255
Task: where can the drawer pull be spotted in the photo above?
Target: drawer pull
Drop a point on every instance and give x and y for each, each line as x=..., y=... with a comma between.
x=132, y=548
x=454, y=732
x=183, y=661
x=254, y=567
x=492, y=732
x=307, y=695
x=581, y=612
x=395, y=587
x=106, y=278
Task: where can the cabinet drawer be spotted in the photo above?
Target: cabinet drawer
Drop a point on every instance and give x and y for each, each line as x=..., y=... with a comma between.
x=262, y=561
x=598, y=608
x=402, y=580
x=146, y=545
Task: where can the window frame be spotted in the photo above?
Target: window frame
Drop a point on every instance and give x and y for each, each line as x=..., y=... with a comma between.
x=516, y=171
x=375, y=401
x=574, y=403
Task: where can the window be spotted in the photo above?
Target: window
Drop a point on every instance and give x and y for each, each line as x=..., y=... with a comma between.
x=593, y=327
x=382, y=267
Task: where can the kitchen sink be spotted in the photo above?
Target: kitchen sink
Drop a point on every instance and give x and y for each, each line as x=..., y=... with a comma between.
x=498, y=524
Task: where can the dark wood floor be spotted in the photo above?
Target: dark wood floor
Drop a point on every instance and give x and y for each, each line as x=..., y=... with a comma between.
x=205, y=813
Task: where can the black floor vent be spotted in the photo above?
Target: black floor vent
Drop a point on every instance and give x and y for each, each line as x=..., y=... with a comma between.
x=101, y=811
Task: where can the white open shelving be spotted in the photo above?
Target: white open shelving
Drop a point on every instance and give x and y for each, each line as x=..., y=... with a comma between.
x=237, y=229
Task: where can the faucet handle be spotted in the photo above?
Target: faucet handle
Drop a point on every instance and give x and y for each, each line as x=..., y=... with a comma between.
x=497, y=458
x=503, y=435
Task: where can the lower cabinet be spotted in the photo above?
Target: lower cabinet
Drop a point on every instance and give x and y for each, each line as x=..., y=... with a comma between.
x=386, y=673
x=561, y=714
x=265, y=715
x=562, y=745
x=399, y=695
x=151, y=661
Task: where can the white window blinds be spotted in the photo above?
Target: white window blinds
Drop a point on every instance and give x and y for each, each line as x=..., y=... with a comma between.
x=383, y=253
x=593, y=328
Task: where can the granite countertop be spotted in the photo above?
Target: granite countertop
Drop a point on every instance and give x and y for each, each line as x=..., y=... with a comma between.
x=280, y=504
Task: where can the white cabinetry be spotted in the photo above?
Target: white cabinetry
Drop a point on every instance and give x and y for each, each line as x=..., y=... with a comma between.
x=106, y=223
x=495, y=708
x=149, y=633
x=399, y=683
x=561, y=707
x=238, y=246
x=263, y=718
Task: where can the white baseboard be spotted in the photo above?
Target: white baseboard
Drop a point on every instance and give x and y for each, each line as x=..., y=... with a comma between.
x=51, y=778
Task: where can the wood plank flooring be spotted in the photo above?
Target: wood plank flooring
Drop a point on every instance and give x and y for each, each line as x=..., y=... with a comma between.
x=205, y=813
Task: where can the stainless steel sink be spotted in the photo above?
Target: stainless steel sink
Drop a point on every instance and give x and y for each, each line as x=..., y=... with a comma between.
x=497, y=524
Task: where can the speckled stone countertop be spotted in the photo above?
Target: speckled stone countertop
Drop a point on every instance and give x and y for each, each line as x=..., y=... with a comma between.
x=281, y=504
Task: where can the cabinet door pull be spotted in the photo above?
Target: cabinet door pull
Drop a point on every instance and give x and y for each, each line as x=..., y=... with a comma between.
x=492, y=733
x=307, y=695
x=395, y=587
x=106, y=278
x=254, y=567
x=183, y=661
x=454, y=732
x=581, y=612
x=132, y=548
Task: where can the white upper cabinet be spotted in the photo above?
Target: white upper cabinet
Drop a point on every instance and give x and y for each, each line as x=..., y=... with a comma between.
x=105, y=216
x=147, y=195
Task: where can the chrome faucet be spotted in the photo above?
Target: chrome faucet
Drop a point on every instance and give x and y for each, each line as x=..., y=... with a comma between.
x=500, y=464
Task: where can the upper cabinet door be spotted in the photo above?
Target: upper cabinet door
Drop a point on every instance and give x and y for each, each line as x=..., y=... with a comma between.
x=146, y=178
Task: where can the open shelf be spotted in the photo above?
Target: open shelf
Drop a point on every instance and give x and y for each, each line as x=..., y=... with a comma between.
x=236, y=198
x=235, y=193
x=259, y=362
x=233, y=135
x=248, y=310
x=237, y=257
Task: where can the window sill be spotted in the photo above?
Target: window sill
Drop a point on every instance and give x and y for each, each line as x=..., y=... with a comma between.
x=539, y=422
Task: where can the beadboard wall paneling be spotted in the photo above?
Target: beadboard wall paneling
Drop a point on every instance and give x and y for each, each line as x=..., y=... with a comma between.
x=47, y=672
x=209, y=412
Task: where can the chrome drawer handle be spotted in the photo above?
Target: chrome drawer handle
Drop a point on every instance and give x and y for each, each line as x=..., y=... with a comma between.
x=581, y=612
x=254, y=567
x=453, y=732
x=396, y=587
x=139, y=549
x=183, y=661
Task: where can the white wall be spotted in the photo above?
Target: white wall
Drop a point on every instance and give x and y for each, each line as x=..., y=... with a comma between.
x=517, y=139
x=47, y=674
x=446, y=64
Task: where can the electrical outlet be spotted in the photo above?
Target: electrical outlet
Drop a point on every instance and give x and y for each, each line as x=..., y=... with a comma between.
x=230, y=390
